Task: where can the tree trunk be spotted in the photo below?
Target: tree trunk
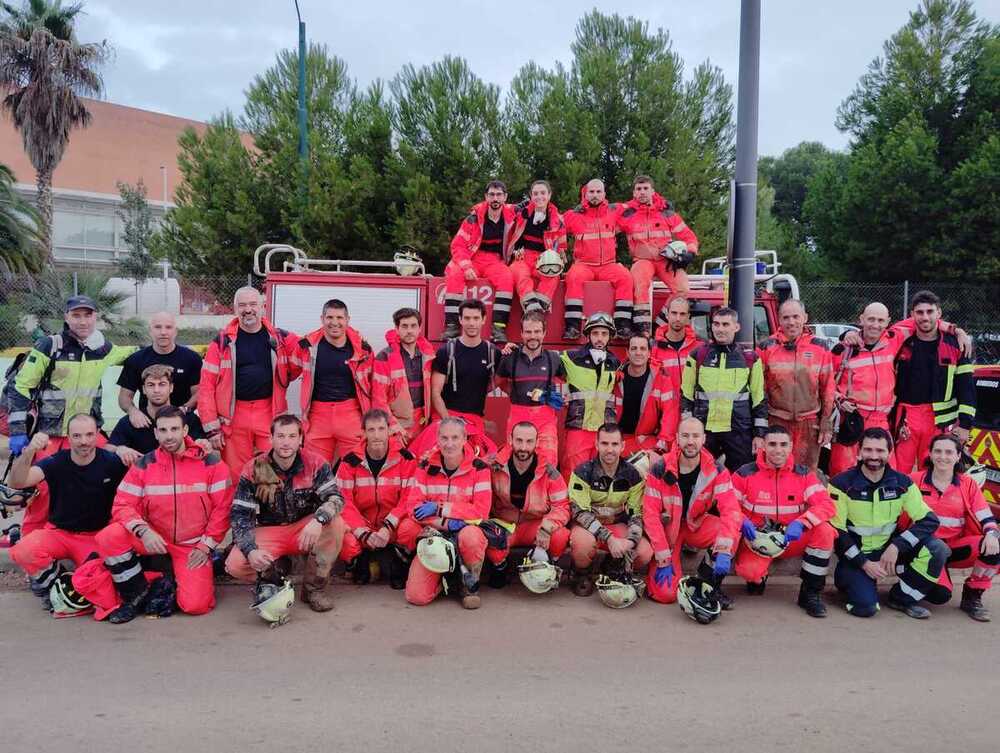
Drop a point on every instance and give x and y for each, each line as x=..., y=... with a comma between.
x=44, y=185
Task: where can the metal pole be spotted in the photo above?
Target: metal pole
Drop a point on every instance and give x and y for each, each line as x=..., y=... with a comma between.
x=743, y=261
x=303, y=130
x=906, y=299
x=163, y=175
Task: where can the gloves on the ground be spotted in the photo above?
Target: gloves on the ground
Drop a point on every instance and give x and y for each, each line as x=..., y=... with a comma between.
x=664, y=575
x=456, y=525
x=723, y=562
x=794, y=531
x=17, y=443
x=748, y=530
x=425, y=510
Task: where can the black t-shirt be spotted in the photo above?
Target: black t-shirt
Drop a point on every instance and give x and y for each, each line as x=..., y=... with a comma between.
x=185, y=362
x=414, y=368
x=533, y=238
x=632, y=389
x=334, y=380
x=492, y=240
x=686, y=482
x=676, y=345
x=472, y=372
x=915, y=377
x=253, y=365
x=144, y=440
x=519, y=482
x=80, y=496
x=376, y=465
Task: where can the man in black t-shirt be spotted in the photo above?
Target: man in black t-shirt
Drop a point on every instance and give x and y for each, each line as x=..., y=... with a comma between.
x=157, y=388
x=185, y=363
x=82, y=482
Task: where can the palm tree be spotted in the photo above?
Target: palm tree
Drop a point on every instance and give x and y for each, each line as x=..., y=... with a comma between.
x=46, y=72
x=20, y=243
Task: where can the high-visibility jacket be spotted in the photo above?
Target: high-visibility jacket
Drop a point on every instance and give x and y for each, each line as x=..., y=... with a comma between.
x=591, y=399
x=73, y=387
x=185, y=498
x=593, y=231
x=961, y=509
x=791, y=492
x=798, y=378
x=553, y=236
x=217, y=388
x=650, y=227
x=464, y=495
x=869, y=515
x=953, y=390
x=723, y=387
x=598, y=500
x=373, y=501
x=390, y=388
x=307, y=486
x=360, y=364
x=659, y=407
x=663, y=504
x=545, y=499
x=470, y=234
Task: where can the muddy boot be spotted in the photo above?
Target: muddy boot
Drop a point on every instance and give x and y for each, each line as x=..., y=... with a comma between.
x=469, y=588
x=972, y=604
x=811, y=601
x=757, y=589
x=134, y=594
x=497, y=577
x=583, y=581
x=314, y=586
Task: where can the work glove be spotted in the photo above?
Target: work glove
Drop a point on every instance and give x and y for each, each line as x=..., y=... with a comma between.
x=455, y=525
x=748, y=530
x=17, y=443
x=794, y=531
x=553, y=398
x=664, y=575
x=723, y=562
x=425, y=510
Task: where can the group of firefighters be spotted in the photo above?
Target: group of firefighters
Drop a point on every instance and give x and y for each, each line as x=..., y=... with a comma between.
x=384, y=462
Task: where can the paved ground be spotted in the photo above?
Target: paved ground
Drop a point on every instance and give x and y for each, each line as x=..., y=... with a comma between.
x=548, y=673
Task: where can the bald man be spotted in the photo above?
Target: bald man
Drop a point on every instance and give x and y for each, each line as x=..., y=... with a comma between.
x=185, y=363
x=592, y=226
x=799, y=381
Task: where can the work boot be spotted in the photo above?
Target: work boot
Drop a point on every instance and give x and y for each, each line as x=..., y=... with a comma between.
x=314, y=587
x=811, y=602
x=724, y=599
x=707, y=573
x=452, y=329
x=757, y=589
x=131, y=607
x=361, y=573
x=972, y=604
x=399, y=568
x=498, y=575
x=571, y=333
x=469, y=588
x=583, y=583
x=499, y=333
x=915, y=611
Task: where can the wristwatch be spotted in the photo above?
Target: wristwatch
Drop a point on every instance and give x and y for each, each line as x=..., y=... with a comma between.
x=322, y=516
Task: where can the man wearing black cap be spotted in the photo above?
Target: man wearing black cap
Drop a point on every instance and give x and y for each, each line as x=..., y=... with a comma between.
x=61, y=378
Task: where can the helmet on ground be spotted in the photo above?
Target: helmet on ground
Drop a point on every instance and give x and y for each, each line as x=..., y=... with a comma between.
x=66, y=600
x=640, y=461
x=273, y=602
x=600, y=319
x=407, y=262
x=437, y=554
x=850, y=429
x=538, y=577
x=618, y=594
x=697, y=599
x=549, y=264
x=769, y=541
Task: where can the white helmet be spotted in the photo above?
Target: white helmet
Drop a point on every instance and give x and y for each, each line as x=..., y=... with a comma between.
x=769, y=540
x=640, y=461
x=549, y=264
x=66, y=600
x=978, y=473
x=618, y=594
x=437, y=554
x=539, y=577
x=407, y=262
x=273, y=603
x=697, y=599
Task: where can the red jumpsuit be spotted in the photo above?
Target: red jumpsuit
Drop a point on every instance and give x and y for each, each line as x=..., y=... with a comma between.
x=792, y=492
x=594, y=258
x=37, y=513
x=393, y=393
x=546, y=507
x=648, y=229
x=965, y=518
x=711, y=521
x=670, y=361
x=799, y=380
x=464, y=496
x=533, y=287
x=525, y=381
x=659, y=409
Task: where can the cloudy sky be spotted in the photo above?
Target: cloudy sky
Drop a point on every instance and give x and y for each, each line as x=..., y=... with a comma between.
x=194, y=58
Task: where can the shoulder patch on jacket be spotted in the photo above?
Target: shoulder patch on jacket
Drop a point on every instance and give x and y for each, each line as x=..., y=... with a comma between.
x=578, y=209
x=747, y=470
x=551, y=471
x=800, y=470
x=352, y=459
x=472, y=219
x=212, y=458
x=769, y=342
x=304, y=342
x=146, y=460
x=479, y=464
x=406, y=454
x=821, y=344
x=629, y=212
x=658, y=468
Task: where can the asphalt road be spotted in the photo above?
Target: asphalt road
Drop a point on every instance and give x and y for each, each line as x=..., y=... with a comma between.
x=523, y=673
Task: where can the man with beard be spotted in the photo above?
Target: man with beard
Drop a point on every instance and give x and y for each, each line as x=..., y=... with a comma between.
x=482, y=248
x=157, y=387
x=875, y=540
x=401, y=376
x=690, y=502
x=672, y=344
x=244, y=381
x=592, y=225
x=539, y=229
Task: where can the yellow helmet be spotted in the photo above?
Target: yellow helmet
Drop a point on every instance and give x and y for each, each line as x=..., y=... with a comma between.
x=273, y=602
x=549, y=264
x=769, y=540
x=437, y=554
x=618, y=594
x=538, y=577
x=697, y=599
x=66, y=601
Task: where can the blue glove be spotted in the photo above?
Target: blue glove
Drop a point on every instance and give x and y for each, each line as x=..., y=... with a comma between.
x=456, y=525
x=748, y=529
x=17, y=444
x=794, y=531
x=664, y=575
x=425, y=510
x=722, y=564
x=553, y=398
